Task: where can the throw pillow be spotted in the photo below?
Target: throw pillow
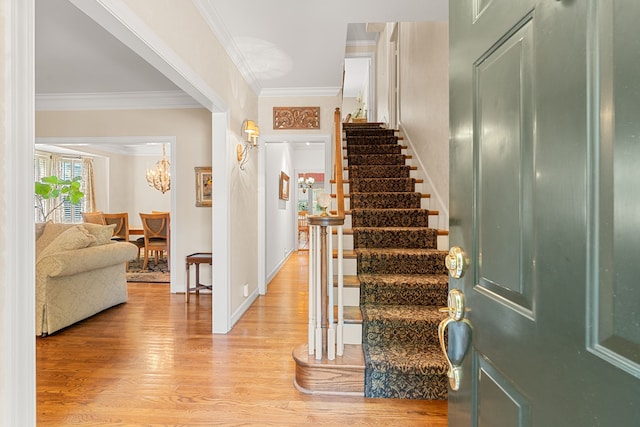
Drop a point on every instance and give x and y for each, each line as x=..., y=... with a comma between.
x=76, y=237
x=102, y=233
x=50, y=232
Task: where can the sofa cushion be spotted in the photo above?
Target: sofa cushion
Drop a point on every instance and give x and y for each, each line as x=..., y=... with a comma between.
x=102, y=233
x=75, y=237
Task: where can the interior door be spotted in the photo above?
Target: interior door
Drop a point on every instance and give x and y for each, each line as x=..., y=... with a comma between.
x=544, y=176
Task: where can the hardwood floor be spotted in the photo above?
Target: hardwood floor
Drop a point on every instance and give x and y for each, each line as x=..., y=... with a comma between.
x=154, y=361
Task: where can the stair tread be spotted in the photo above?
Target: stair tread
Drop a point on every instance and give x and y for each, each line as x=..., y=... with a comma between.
x=404, y=311
x=406, y=358
x=352, y=314
x=367, y=251
x=348, y=281
x=345, y=231
x=346, y=254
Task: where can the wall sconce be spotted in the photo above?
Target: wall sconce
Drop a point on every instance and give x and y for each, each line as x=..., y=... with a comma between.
x=305, y=183
x=252, y=132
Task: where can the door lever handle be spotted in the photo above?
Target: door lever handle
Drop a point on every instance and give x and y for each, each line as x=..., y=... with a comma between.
x=456, y=310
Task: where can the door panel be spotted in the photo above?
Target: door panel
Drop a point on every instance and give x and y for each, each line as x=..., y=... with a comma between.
x=503, y=122
x=544, y=148
x=616, y=320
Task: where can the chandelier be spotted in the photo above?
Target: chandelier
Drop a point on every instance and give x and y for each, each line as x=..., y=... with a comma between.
x=305, y=183
x=159, y=177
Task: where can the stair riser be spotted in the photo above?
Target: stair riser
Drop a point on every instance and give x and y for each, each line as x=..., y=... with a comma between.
x=410, y=239
x=349, y=266
x=385, y=332
x=351, y=296
x=395, y=218
x=355, y=149
x=369, y=134
x=380, y=171
x=401, y=264
x=382, y=185
x=432, y=297
x=395, y=385
x=352, y=333
x=385, y=201
x=376, y=159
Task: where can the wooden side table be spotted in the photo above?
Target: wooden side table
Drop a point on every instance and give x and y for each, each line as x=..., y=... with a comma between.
x=197, y=259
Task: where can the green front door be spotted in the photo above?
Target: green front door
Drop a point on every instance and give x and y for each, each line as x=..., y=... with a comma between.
x=545, y=204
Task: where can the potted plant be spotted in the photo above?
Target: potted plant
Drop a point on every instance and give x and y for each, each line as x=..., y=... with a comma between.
x=52, y=187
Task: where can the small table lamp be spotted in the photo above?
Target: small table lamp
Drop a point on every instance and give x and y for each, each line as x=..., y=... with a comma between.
x=324, y=200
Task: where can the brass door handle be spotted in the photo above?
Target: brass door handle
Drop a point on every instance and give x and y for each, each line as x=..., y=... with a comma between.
x=456, y=262
x=456, y=310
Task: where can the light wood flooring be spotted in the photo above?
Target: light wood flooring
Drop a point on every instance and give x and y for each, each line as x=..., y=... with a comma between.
x=153, y=361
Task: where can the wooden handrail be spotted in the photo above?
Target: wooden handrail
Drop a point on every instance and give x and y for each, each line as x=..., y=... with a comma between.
x=338, y=168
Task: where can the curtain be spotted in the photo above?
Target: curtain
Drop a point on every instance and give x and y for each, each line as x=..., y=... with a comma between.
x=89, y=184
x=56, y=169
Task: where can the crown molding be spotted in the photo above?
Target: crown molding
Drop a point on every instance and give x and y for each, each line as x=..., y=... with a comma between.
x=300, y=91
x=119, y=20
x=219, y=29
x=115, y=101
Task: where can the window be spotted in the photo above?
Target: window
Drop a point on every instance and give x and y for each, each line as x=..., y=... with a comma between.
x=65, y=168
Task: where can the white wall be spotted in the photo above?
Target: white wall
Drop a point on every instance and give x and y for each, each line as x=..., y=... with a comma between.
x=279, y=213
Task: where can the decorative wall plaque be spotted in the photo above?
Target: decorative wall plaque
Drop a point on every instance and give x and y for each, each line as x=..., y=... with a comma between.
x=296, y=117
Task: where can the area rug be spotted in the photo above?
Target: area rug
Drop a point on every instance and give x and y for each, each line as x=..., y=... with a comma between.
x=153, y=274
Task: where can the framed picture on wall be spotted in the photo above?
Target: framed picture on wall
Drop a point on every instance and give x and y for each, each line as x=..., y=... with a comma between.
x=284, y=186
x=204, y=186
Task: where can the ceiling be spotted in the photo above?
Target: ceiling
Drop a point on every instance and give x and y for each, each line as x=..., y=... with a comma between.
x=281, y=47
x=278, y=45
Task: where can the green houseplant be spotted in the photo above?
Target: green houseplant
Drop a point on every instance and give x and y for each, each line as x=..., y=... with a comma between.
x=52, y=187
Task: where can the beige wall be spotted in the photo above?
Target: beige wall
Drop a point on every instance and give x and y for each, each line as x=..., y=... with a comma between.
x=181, y=27
x=424, y=104
x=128, y=190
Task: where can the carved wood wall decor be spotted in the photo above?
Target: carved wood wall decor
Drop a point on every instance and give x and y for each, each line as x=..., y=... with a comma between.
x=296, y=117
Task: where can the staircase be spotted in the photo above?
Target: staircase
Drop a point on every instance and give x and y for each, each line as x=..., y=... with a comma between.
x=403, y=280
x=395, y=285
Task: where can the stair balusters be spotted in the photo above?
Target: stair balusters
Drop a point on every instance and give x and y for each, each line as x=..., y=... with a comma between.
x=325, y=336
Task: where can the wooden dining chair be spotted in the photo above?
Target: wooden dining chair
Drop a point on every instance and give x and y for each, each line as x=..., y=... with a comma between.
x=157, y=236
x=303, y=224
x=93, y=217
x=121, y=232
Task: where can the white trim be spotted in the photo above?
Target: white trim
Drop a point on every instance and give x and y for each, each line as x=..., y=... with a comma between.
x=219, y=29
x=246, y=304
x=116, y=144
x=17, y=254
x=265, y=277
x=300, y=91
x=115, y=17
x=443, y=217
x=221, y=239
x=262, y=220
x=115, y=101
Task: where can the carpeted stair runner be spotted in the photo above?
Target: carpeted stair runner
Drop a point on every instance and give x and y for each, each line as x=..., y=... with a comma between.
x=403, y=280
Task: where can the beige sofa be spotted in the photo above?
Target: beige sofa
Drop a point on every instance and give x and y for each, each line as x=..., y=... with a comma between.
x=80, y=271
